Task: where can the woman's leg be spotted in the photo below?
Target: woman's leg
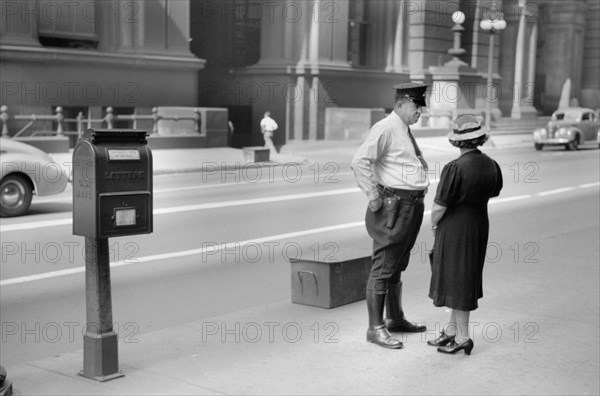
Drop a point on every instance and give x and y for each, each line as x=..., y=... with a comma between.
x=462, y=340
x=451, y=326
x=462, y=325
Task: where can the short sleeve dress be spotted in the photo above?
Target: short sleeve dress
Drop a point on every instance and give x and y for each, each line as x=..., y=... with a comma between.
x=466, y=184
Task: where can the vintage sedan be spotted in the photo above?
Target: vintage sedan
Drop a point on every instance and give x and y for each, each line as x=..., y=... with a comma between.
x=26, y=170
x=568, y=127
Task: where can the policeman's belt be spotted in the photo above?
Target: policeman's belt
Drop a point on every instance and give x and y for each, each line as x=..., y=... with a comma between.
x=400, y=193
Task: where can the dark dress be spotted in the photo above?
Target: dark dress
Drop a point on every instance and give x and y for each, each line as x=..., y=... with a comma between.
x=466, y=185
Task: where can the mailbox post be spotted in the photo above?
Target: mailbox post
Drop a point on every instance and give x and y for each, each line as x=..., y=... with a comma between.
x=112, y=196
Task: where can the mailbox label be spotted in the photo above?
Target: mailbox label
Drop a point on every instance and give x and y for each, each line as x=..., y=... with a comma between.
x=124, y=217
x=123, y=154
x=125, y=175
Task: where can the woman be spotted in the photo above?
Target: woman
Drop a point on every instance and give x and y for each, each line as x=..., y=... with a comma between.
x=459, y=220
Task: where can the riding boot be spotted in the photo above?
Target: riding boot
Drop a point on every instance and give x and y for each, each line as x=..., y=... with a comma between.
x=377, y=333
x=395, y=320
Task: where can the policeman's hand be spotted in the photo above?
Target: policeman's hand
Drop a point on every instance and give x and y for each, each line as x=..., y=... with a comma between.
x=375, y=204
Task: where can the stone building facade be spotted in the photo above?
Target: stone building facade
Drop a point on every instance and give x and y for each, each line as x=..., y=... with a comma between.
x=87, y=55
x=296, y=58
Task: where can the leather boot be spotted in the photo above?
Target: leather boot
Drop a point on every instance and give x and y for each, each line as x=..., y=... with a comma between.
x=395, y=320
x=377, y=333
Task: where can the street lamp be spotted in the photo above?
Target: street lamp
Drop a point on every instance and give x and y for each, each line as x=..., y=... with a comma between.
x=492, y=26
x=458, y=18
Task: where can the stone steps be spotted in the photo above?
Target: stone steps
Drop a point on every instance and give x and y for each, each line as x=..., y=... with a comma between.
x=512, y=126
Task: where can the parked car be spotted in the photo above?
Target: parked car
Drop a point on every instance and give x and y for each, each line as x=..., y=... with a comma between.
x=569, y=127
x=26, y=170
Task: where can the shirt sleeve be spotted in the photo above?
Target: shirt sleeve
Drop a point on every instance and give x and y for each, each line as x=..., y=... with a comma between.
x=448, y=187
x=362, y=163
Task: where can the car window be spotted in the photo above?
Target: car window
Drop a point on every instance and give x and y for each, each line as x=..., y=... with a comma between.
x=585, y=117
x=574, y=116
x=558, y=116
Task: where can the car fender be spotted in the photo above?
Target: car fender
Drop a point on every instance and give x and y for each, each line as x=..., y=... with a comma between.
x=569, y=132
x=540, y=134
x=47, y=177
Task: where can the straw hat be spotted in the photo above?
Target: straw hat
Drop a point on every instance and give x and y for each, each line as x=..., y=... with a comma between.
x=466, y=127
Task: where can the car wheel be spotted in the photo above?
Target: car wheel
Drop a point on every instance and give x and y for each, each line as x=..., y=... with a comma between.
x=15, y=195
x=574, y=144
x=538, y=146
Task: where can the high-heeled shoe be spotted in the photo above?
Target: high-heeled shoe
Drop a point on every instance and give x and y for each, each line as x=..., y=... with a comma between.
x=443, y=340
x=453, y=347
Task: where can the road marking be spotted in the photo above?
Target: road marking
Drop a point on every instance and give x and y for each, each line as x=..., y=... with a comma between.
x=69, y=199
x=46, y=200
x=221, y=185
x=588, y=185
x=176, y=209
x=245, y=182
x=187, y=208
x=213, y=248
x=45, y=275
x=208, y=186
x=241, y=202
x=35, y=224
x=509, y=199
x=556, y=191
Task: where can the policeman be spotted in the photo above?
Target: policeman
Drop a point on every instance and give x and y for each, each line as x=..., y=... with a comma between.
x=390, y=169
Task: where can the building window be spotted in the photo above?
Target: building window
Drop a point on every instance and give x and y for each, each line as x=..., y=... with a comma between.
x=357, y=34
x=69, y=24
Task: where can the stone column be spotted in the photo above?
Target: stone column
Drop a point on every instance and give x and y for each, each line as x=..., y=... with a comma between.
x=314, y=56
x=530, y=87
x=590, y=83
x=518, y=83
x=146, y=27
x=564, y=30
x=301, y=43
x=273, y=34
x=128, y=25
x=329, y=33
x=396, y=45
x=523, y=89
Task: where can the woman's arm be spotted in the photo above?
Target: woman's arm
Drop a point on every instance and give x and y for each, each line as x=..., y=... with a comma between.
x=437, y=212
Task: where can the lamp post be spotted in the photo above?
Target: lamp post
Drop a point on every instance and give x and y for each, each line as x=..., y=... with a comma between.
x=492, y=26
x=458, y=18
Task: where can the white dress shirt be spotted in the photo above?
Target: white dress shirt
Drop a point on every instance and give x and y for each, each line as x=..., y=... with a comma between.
x=388, y=157
x=267, y=124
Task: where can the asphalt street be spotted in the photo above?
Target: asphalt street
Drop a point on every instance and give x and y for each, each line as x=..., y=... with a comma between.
x=222, y=240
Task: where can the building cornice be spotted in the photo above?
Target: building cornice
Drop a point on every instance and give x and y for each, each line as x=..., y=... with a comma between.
x=61, y=55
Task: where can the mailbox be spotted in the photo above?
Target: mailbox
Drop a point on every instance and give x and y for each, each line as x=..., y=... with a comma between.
x=112, y=184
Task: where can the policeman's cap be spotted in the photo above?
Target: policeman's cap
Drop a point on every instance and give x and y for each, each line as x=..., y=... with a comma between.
x=414, y=92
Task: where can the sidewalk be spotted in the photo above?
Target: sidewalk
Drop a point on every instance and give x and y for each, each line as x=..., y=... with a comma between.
x=285, y=348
